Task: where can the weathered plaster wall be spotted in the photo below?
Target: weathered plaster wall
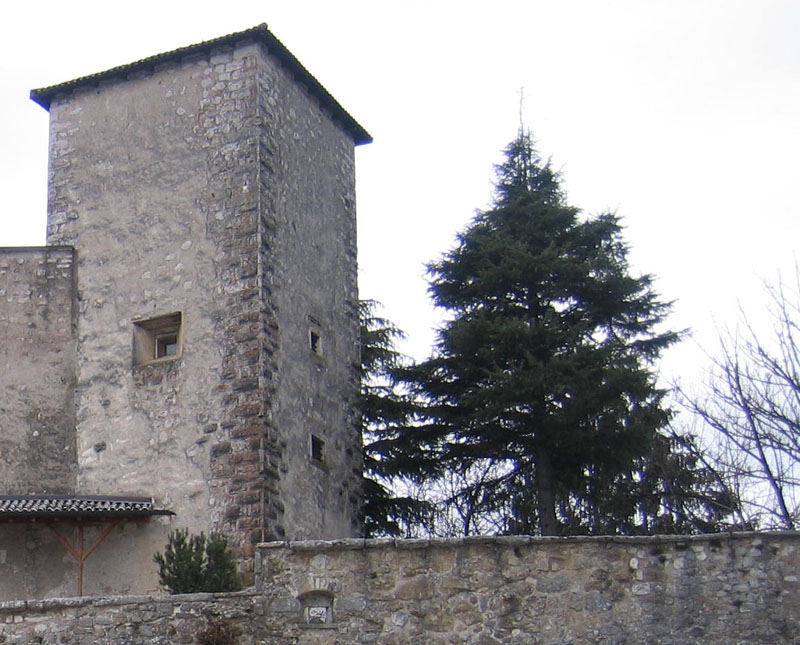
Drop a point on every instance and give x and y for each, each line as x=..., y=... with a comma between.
x=37, y=421
x=741, y=589
x=34, y=563
x=37, y=363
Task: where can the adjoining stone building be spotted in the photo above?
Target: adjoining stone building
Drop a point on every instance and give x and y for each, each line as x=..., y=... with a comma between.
x=187, y=341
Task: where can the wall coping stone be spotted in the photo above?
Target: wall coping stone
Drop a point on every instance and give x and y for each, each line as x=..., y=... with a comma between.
x=37, y=249
x=518, y=540
x=57, y=604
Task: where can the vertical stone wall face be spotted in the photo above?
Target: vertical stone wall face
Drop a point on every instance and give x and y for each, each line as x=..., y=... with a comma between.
x=238, y=478
x=215, y=187
x=723, y=589
x=139, y=620
x=37, y=422
x=135, y=166
x=710, y=590
x=37, y=360
x=309, y=258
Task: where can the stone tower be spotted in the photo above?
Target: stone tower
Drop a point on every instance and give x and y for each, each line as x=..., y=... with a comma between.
x=208, y=194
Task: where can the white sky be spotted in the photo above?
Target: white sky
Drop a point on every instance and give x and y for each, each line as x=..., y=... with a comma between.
x=681, y=115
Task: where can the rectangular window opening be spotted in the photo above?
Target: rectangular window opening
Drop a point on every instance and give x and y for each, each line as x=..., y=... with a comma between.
x=317, y=609
x=316, y=615
x=317, y=449
x=157, y=339
x=315, y=340
x=166, y=345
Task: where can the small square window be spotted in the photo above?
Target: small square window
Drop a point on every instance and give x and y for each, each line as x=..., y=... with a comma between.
x=157, y=339
x=166, y=345
x=315, y=341
x=317, y=607
x=317, y=615
x=317, y=449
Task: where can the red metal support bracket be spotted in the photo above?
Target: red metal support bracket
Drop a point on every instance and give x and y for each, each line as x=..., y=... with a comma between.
x=78, y=553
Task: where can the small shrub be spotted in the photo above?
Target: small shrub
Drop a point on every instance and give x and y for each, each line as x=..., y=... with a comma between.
x=220, y=571
x=192, y=563
x=218, y=632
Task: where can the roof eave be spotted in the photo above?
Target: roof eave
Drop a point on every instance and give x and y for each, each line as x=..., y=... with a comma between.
x=37, y=508
x=100, y=516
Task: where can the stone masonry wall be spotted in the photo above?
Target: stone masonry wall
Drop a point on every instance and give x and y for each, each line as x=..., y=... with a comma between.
x=246, y=491
x=211, y=185
x=137, y=620
x=723, y=589
x=37, y=365
x=150, y=179
x=740, y=588
x=309, y=256
x=37, y=419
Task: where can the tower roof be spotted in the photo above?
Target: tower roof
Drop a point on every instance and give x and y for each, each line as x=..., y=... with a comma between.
x=44, y=96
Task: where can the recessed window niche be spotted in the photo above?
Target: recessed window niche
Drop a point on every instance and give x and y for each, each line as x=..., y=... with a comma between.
x=315, y=341
x=317, y=451
x=314, y=335
x=317, y=608
x=157, y=339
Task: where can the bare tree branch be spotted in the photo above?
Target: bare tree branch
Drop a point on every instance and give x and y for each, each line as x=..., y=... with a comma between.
x=751, y=412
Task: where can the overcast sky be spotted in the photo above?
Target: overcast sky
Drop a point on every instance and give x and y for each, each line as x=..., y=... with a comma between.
x=683, y=116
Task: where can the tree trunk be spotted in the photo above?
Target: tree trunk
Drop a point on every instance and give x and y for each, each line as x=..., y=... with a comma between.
x=545, y=494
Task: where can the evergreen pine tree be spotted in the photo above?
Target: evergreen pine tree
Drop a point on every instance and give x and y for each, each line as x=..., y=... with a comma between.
x=220, y=573
x=192, y=563
x=180, y=567
x=391, y=453
x=545, y=364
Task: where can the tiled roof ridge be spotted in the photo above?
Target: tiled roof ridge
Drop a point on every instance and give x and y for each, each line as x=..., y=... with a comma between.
x=44, y=96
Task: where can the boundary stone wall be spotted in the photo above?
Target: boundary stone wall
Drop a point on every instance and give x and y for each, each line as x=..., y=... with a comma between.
x=732, y=589
x=735, y=588
x=136, y=620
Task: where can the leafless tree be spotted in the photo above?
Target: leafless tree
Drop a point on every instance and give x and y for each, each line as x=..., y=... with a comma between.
x=458, y=503
x=750, y=413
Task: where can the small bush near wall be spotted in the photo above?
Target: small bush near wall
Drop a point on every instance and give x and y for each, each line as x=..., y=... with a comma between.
x=193, y=563
x=219, y=631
